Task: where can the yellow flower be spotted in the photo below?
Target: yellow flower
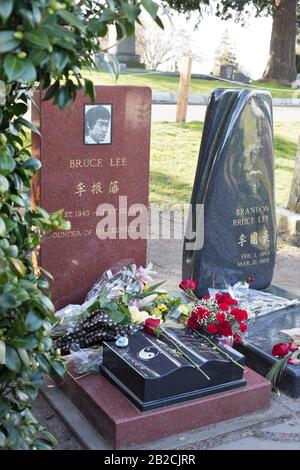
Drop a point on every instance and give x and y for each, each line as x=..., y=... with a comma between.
x=156, y=312
x=162, y=307
x=146, y=287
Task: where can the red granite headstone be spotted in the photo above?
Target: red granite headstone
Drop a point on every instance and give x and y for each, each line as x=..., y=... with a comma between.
x=93, y=155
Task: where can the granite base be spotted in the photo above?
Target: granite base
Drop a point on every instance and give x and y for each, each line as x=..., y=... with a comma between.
x=123, y=425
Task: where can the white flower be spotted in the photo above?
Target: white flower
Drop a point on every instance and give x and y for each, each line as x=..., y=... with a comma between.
x=146, y=300
x=183, y=309
x=115, y=293
x=138, y=316
x=143, y=275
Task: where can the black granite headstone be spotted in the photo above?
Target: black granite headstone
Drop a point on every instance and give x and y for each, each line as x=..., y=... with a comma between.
x=235, y=182
x=151, y=373
x=264, y=333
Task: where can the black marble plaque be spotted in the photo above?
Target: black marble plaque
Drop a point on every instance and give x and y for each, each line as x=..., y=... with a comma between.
x=151, y=373
x=235, y=182
x=264, y=333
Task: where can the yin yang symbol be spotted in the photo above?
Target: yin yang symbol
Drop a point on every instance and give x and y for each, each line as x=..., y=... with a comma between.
x=148, y=353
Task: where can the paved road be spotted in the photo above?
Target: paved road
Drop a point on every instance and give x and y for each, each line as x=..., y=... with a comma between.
x=167, y=112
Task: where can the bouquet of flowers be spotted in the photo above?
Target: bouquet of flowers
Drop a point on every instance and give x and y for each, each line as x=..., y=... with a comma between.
x=217, y=314
x=115, y=307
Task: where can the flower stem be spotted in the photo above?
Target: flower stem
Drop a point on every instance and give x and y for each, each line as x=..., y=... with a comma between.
x=220, y=350
x=165, y=335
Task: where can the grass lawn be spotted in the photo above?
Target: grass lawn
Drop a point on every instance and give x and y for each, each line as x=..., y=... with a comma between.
x=163, y=83
x=174, y=157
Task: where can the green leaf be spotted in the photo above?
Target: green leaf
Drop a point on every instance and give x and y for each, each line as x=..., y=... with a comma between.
x=32, y=164
x=12, y=67
x=89, y=89
x=4, y=184
x=52, y=90
x=61, y=59
x=17, y=199
x=33, y=321
x=8, y=41
x=18, y=265
x=28, y=124
x=151, y=7
x=159, y=22
x=108, y=16
x=58, y=368
x=6, y=7
x=71, y=19
x=2, y=352
x=63, y=97
x=114, y=313
x=24, y=356
x=7, y=164
x=2, y=228
x=39, y=57
x=45, y=304
x=28, y=72
x=19, y=108
x=98, y=27
x=38, y=39
x=12, y=360
x=30, y=342
x=131, y=11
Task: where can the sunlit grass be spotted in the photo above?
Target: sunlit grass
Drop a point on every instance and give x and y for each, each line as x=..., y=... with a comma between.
x=169, y=83
x=174, y=156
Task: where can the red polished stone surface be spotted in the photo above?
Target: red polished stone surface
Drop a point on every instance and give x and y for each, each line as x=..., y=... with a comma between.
x=121, y=423
x=79, y=177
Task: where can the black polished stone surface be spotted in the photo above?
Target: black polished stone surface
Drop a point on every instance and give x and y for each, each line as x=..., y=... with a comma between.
x=152, y=374
x=264, y=333
x=235, y=182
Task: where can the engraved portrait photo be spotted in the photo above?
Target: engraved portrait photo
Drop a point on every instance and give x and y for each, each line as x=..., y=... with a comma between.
x=97, y=124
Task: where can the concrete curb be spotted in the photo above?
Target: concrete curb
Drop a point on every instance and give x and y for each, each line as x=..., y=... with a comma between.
x=166, y=97
x=84, y=432
x=288, y=224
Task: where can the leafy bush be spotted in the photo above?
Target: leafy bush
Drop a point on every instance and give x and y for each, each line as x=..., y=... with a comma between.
x=43, y=43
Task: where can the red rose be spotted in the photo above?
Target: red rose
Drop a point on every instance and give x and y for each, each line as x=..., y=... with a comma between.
x=292, y=346
x=226, y=299
x=193, y=322
x=188, y=284
x=239, y=314
x=212, y=328
x=243, y=327
x=224, y=329
x=237, y=338
x=206, y=297
x=201, y=313
x=219, y=297
x=220, y=317
x=223, y=306
x=280, y=349
x=150, y=324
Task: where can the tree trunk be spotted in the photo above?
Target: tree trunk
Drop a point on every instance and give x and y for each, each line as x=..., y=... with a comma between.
x=294, y=199
x=282, y=56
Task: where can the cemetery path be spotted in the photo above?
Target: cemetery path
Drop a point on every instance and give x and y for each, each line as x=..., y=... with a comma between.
x=167, y=112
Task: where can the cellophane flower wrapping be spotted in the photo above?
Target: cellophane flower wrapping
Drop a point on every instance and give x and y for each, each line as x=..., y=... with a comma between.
x=257, y=302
